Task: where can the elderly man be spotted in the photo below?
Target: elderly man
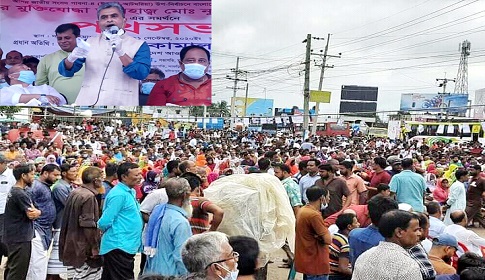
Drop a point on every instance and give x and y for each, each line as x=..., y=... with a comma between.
x=122, y=225
x=401, y=231
x=47, y=72
x=210, y=254
x=191, y=87
x=109, y=80
x=168, y=229
x=472, y=241
x=21, y=89
x=79, y=227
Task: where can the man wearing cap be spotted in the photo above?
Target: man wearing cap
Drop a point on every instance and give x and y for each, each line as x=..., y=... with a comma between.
x=7, y=180
x=395, y=165
x=444, y=247
x=408, y=186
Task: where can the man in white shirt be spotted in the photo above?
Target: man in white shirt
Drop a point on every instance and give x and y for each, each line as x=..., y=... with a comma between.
x=7, y=180
x=436, y=225
x=21, y=89
x=310, y=178
x=470, y=239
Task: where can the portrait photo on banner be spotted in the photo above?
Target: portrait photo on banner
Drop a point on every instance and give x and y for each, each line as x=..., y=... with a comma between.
x=105, y=53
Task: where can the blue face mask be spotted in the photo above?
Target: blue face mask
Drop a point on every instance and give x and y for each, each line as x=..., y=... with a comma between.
x=147, y=87
x=194, y=71
x=27, y=76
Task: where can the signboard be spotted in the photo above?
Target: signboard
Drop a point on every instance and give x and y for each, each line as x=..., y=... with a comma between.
x=166, y=26
x=456, y=103
x=359, y=93
x=255, y=107
x=320, y=96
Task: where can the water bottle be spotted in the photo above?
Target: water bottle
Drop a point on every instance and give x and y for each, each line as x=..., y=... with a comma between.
x=44, y=101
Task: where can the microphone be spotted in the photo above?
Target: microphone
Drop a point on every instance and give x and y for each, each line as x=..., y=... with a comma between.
x=113, y=30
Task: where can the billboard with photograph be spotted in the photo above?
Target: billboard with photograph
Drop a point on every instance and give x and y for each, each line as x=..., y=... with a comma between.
x=456, y=103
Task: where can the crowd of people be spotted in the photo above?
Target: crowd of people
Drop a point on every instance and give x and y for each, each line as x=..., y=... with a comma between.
x=103, y=68
x=85, y=201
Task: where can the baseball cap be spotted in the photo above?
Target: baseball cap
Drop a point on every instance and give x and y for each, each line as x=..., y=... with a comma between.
x=446, y=239
x=393, y=160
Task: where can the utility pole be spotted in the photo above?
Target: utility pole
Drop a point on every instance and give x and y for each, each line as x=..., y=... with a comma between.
x=235, y=88
x=320, y=84
x=246, y=99
x=306, y=93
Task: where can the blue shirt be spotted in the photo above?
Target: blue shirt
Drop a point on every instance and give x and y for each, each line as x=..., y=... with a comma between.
x=409, y=188
x=121, y=221
x=138, y=69
x=41, y=196
x=362, y=239
x=174, y=231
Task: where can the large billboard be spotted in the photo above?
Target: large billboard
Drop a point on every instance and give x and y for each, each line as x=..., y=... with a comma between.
x=255, y=107
x=479, y=108
x=166, y=26
x=358, y=99
x=359, y=93
x=455, y=103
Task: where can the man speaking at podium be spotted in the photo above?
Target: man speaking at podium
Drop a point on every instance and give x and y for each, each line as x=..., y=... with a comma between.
x=114, y=61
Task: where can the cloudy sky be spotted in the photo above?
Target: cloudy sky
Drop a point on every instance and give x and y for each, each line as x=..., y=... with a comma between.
x=398, y=46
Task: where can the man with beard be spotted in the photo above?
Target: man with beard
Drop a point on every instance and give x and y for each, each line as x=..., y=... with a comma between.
x=60, y=191
x=337, y=188
x=358, y=191
x=122, y=225
x=444, y=247
x=475, y=196
x=19, y=215
x=41, y=196
x=282, y=172
x=168, y=229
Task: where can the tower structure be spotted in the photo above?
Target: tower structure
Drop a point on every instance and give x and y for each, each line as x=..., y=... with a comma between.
x=461, y=85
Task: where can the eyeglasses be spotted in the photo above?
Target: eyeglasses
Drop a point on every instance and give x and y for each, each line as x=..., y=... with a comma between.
x=235, y=255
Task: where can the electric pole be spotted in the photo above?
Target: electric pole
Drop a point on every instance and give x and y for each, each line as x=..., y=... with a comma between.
x=235, y=88
x=320, y=84
x=306, y=90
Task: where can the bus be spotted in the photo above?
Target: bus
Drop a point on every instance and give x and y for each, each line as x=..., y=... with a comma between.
x=377, y=132
x=332, y=129
x=446, y=131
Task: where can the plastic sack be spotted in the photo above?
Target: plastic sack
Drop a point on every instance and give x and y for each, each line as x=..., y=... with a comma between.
x=255, y=205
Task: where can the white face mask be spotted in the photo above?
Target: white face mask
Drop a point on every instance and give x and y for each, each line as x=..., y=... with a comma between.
x=8, y=66
x=231, y=275
x=324, y=206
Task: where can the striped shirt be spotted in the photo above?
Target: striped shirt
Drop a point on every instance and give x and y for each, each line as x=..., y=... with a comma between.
x=200, y=217
x=338, y=249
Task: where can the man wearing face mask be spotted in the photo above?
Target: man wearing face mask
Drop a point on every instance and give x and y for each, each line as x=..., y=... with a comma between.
x=312, y=237
x=211, y=256
x=114, y=62
x=191, y=87
x=148, y=83
x=21, y=89
x=12, y=58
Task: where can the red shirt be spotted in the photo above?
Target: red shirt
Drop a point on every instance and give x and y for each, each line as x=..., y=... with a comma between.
x=175, y=91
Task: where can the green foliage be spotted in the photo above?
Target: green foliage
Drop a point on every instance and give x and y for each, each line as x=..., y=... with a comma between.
x=9, y=111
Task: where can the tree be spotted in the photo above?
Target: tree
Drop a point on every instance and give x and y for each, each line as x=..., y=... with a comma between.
x=9, y=111
x=218, y=109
